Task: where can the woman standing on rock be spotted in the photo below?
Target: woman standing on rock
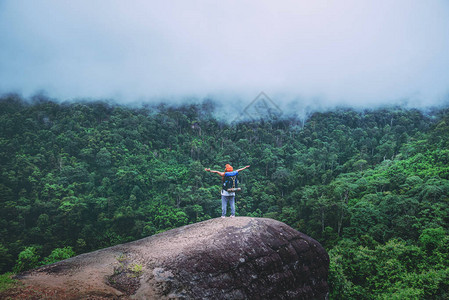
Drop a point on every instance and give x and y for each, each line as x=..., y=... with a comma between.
x=229, y=186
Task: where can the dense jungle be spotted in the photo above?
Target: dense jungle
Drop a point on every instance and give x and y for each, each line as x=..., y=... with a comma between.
x=372, y=185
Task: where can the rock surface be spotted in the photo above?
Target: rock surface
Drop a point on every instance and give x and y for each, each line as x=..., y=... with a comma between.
x=239, y=258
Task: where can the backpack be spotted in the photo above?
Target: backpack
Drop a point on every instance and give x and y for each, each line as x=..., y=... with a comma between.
x=230, y=182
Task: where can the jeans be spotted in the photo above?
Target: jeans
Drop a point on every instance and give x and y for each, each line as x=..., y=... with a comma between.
x=224, y=202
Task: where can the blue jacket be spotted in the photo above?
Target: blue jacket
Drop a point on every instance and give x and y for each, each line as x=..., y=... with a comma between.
x=230, y=174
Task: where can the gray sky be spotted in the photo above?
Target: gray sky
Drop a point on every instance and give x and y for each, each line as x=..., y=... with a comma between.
x=328, y=52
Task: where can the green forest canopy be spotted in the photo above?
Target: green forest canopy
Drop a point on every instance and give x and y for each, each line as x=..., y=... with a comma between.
x=371, y=186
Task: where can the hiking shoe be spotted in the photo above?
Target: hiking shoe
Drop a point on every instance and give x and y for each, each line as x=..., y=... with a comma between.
x=223, y=217
x=232, y=216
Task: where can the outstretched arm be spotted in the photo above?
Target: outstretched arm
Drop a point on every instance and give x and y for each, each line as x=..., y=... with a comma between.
x=212, y=171
x=243, y=168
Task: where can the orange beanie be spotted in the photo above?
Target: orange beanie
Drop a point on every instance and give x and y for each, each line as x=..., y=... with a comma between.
x=228, y=168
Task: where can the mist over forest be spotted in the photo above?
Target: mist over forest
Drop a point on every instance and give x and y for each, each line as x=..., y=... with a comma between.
x=348, y=53
x=370, y=185
x=111, y=111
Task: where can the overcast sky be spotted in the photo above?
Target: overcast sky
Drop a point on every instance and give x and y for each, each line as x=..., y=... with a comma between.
x=330, y=52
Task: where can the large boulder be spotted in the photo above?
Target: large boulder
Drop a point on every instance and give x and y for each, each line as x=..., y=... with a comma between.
x=232, y=258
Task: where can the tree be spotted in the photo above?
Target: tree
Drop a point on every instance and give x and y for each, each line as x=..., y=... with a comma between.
x=6, y=259
x=27, y=259
x=58, y=254
x=431, y=238
x=341, y=190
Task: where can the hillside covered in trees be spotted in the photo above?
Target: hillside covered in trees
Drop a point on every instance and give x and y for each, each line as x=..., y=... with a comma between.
x=371, y=186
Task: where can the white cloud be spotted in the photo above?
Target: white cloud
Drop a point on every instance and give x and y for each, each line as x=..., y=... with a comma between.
x=342, y=52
